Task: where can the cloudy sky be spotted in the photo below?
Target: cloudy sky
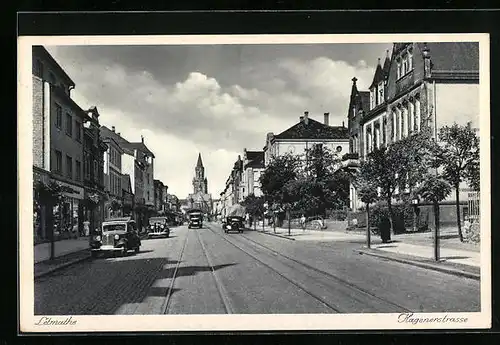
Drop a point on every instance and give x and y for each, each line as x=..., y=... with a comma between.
x=213, y=99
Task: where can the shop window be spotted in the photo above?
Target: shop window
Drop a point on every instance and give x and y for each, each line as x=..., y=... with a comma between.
x=58, y=116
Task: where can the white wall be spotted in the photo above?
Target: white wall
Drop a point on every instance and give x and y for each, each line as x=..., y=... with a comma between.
x=457, y=103
x=299, y=147
x=128, y=167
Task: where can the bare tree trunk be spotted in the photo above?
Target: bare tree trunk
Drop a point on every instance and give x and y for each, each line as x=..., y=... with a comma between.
x=436, y=231
x=391, y=214
x=457, y=204
x=368, y=231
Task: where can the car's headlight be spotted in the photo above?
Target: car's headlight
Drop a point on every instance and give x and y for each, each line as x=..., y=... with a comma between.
x=117, y=237
x=152, y=226
x=97, y=238
x=161, y=226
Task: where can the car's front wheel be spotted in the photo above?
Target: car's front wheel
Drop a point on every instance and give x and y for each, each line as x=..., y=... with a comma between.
x=137, y=249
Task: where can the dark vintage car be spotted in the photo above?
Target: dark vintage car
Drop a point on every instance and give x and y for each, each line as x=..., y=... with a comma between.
x=195, y=220
x=118, y=235
x=158, y=227
x=233, y=223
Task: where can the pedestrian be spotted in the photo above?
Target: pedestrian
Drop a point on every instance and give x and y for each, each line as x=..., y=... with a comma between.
x=86, y=227
x=303, y=222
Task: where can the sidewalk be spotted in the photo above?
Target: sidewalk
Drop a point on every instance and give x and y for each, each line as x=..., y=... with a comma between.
x=63, y=247
x=417, y=249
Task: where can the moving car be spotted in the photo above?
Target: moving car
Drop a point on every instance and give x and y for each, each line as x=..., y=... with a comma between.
x=158, y=227
x=195, y=219
x=233, y=223
x=117, y=235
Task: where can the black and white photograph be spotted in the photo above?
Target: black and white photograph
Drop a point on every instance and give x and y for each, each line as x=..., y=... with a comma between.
x=287, y=182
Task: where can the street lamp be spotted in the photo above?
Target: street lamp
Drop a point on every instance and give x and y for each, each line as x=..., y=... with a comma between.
x=415, y=208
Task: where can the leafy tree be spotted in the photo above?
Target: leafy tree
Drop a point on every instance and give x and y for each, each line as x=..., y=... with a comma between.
x=460, y=160
x=326, y=185
x=280, y=171
x=254, y=205
x=434, y=189
x=367, y=194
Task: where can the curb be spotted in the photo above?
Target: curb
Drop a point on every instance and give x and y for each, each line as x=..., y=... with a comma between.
x=448, y=270
x=276, y=235
x=61, y=266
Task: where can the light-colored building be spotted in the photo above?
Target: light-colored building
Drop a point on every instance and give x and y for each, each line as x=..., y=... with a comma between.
x=253, y=166
x=112, y=170
x=304, y=135
x=57, y=141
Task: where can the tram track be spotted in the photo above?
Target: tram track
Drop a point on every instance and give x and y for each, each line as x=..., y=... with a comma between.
x=344, y=282
x=166, y=303
x=307, y=291
x=228, y=307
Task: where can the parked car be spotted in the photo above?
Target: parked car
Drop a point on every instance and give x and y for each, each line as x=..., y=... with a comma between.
x=118, y=235
x=158, y=227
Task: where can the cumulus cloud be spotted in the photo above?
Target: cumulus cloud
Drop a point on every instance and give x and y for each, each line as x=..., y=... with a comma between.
x=199, y=113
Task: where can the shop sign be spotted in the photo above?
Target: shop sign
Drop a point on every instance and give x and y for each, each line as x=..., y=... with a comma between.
x=75, y=192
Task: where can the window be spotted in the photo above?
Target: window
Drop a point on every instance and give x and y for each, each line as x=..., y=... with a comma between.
x=78, y=131
x=69, y=125
x=147, y=181
x=148, y=195
x=58, y=166
x=69, y=167
x=38, y=69
x=381, y=93
x=58, y=116
x=78, y=168
x=373, y=95
x=96, y=176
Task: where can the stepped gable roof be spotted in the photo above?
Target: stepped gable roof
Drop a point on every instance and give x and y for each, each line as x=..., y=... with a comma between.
x=453, y=56
x=379, y=75
x=255, y=159
x=314, y=130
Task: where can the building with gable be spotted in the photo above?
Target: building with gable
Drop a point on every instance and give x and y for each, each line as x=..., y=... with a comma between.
x=253, y=166
x=419, y=85
x=305, y=135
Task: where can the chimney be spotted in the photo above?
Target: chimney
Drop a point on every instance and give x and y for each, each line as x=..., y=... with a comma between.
x=343, y=124
x=326, y=118
x=306, y=117
x=118, y=134
x=142, y=139
x=301, y=118
x=113, y=128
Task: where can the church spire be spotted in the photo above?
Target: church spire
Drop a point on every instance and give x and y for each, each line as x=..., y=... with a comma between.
x=199, y=163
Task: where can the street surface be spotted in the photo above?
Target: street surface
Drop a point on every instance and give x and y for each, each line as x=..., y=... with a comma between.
x=205, y=271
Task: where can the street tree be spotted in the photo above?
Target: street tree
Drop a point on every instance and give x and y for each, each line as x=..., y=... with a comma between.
x=254, y=206
x=280, y=171
x=460, y=160
x=368, y=195
x=434, y=188
x=323, y=184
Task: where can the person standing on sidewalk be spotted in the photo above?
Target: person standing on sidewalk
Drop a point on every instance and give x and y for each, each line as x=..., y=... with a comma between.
x=303, y=222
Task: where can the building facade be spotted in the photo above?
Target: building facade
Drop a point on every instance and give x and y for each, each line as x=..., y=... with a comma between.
x=112, y=174
x=420, y=85
x=253, y=166
x=304, y=135
x=93, y=171
x=57, y=145
x=160, y=193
